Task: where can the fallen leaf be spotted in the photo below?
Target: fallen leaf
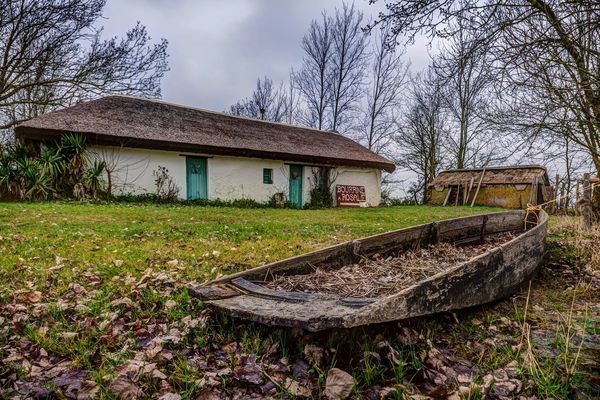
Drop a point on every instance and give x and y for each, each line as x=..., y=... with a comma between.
x=125, y=388
x=123, y=301
x=507, y=389
x=68, y=335
x=208, y=394
x=248, y=370
x=170, y=396
x=295, y=389
x=170, y=304
x=34, y=297
x=313, y=354
x=339, y=384
x=89, y=390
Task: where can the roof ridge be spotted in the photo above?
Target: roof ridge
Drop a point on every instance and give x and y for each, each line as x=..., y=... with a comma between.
x=222, y=113
x=500, y=167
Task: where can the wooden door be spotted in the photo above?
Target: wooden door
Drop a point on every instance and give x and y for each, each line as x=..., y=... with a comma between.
x=196, y=178
x=296, y=185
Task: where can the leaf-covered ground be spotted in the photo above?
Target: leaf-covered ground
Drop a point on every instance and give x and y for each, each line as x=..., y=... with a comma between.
x=94, y=304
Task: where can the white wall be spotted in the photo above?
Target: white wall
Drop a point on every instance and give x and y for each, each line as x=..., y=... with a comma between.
x=232, y=178
x=133, y=168
x=228, y=177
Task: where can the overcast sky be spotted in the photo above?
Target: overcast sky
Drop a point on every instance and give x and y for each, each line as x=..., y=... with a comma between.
x=218, y=48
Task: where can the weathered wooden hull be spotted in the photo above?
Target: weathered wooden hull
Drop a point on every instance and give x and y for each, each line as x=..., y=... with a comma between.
x=485, y=278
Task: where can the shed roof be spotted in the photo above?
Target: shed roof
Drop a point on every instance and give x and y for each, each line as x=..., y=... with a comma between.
x=136, y=122
x=511, y=175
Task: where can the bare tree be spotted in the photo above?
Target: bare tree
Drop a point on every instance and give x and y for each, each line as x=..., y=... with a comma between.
x=547, y=54
x=266, y=103
x=348, y=64
x=52, y=55
x=387, y=82
x=312, y=80
x=468, y=89
x=292, y=101
x=422, y=130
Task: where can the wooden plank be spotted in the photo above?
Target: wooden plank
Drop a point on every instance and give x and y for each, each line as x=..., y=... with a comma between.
x=556, y=205
x=214, y=292
x=470, y=188
x=447, y=195
x=457, y=194
x=478, y=187
x=576, y=199
x=586, y=204
x=533, y=194
x=358, y=301
x=259, y=290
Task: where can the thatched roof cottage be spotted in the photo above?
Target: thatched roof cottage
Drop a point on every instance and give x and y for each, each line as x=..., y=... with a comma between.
x=209, y=154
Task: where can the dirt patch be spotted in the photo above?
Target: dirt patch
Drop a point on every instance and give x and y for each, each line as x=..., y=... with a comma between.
x=382, y=276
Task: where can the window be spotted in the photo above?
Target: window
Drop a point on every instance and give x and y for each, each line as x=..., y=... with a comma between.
x=268, y=175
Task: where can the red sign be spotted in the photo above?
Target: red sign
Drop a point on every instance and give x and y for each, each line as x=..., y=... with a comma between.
x=349, y=195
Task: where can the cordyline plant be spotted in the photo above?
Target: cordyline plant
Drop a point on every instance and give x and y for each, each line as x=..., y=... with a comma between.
x=61, y=169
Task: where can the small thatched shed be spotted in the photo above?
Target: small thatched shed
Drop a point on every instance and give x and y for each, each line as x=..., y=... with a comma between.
x=510, y=187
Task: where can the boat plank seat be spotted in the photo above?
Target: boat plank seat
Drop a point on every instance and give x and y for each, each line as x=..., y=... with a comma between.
x=263, y=291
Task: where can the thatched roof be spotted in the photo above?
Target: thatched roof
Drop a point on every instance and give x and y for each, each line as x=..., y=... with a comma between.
x=135, y=122
x=510, y=175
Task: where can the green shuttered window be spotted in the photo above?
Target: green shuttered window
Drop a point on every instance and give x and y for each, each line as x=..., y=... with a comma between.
x=268, y=175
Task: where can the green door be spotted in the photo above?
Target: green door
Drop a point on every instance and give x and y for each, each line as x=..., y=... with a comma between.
x=196, y=178
x=296, y=185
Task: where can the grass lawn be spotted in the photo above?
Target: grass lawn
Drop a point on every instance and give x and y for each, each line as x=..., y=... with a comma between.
x=206, y=240
x=93, y=302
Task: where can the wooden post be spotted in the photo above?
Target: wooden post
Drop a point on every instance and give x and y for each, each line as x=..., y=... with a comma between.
x=533, y=193
x=457, y=193
x=586, y=204
x=576, y=199
x=557, y=200
x=478, y=187
x=470, y=188
x=447, y=195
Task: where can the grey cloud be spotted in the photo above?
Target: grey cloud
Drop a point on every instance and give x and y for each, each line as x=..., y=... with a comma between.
x=218, y=48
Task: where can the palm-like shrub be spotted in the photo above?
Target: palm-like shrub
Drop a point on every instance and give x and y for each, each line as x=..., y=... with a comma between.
x=8, y=174
x=39, y=184
x=52, y=163
x=13, y=162
x=23, y=176
x=72, y=150
x=62, y=168
x=93, y=180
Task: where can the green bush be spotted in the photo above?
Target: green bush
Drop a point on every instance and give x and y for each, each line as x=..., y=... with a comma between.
x=152, y=198
x=321, y=195
x=60, y=169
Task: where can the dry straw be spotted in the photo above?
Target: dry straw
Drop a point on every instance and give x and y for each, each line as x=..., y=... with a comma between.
x=381, y=275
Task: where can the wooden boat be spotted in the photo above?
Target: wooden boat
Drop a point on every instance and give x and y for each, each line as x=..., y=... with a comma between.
x=495, y=274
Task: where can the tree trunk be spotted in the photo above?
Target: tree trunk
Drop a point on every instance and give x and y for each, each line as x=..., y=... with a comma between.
x=596, y=195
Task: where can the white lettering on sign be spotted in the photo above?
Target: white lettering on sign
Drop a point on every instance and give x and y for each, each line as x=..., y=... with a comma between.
x=350, y=195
